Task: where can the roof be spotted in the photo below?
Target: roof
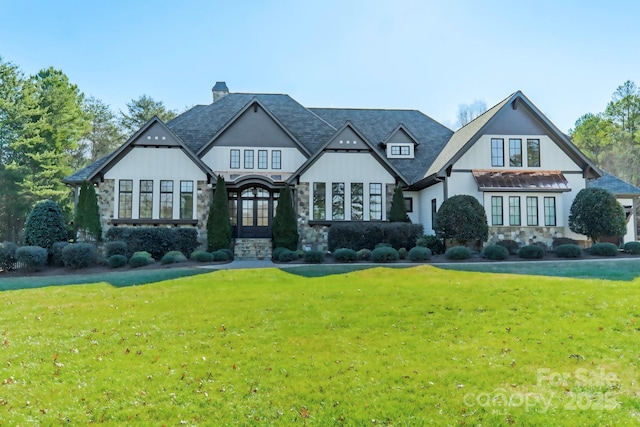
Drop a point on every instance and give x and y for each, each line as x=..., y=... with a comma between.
x=87, y=172
x=489, y=180
x=615, y=185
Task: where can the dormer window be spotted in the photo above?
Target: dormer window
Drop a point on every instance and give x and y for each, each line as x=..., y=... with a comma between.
x=400, y=150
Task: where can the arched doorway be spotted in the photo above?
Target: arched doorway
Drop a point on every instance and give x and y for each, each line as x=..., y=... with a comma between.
x=254, y=211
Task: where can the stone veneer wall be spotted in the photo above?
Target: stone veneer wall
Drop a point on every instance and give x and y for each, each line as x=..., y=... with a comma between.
x=203, y=200
x=106, y=196
x=389, y=198
x=312, y=237
x=526, y=235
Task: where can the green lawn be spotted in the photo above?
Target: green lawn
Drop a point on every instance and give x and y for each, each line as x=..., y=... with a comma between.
x=413, y=346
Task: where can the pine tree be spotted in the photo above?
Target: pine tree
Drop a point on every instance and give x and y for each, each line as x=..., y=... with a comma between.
x=219, y=223
x=87, y=218
x=285, y=227
x=398, y=211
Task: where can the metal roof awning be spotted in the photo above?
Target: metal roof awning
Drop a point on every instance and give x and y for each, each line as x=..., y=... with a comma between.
x=492, y=180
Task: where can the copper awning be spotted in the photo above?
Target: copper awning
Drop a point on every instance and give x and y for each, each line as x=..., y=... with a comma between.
x=492, y=180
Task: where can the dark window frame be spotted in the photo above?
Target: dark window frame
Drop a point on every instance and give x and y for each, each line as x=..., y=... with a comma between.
x=186, y=208
x=533, y=162
x=497, y=152
x=166, y=199
x=515, y=211
x=263, y=159
x=145, y=207
x=125, y=198
x=276, y=159
x=248, y=159
x=234, y=159
x=497, y=210
x=532, y=219
x=515, y=152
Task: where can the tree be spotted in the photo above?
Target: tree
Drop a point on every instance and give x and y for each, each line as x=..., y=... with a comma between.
x=593, y=135
x=219, y=222
x=595, y=212
x=462, y=218
x=141, y=110
x=624, y=108
x=398, y=211
x=468, y=112
x=104, y=135
x=87, y=219
x=45, y=225
x=285, y=225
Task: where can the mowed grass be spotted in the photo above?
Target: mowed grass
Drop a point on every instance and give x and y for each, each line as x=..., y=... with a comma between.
x=414, y=346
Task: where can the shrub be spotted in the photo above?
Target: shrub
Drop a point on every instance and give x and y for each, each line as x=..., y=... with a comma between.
x=34, y=258
x=87, y=219
x=419, y=254
x=275, y=255
x=138, y=261
x=287, y=256
x=285, y=223
x=79, y=255
x=173, y=257
x=496, y=252
x=531, y=252
x=462, y=218
x=398, y=211
x=145, y=254
x=117, y=261
x=220, y=255
x=7, y=255
x=227, y=251
x=345, y=255
x=364, y=255
x=185, y=239
x=115, y=248
x=563, y=241
x=632, y=248
x=604, y=249
x=458, y=253
x=511, y=245
x=45, y=225
x=402, y=253
x=202, y=256
x=568, y=251
x=314, y=257
x=384, y=254
x=432, y=242
x=383, y=245
x=156, y=240
x=595, y=212
x=367, y=235
x=56, y=254
x=218, y=221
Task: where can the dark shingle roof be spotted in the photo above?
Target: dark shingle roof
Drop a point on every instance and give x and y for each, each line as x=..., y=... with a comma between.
x=84, y=173
x=614, y=184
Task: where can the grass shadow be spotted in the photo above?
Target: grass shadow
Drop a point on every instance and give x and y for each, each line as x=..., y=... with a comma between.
x=321, y=270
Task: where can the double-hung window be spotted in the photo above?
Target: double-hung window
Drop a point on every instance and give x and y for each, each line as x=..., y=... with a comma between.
x=533, y=153
x=515, y=152
x=146, y=198
x=186, y=199
x=235, y=159
x=532, y=210
x=375, y=201
x=496, y=210
x=263, y=159
x=125, y=198
x=276, y=159
x=550, y=211
x=497, y=152
x=248, y=159
x=514, y=210
x=166, y=199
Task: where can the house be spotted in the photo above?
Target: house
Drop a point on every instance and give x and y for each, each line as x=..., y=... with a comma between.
x=342, y=165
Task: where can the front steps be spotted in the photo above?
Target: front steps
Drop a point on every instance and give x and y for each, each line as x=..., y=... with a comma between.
x=252, y=249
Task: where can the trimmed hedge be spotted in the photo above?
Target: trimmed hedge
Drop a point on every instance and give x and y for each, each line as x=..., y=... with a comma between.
x=531, y=252
x=220, y=255
x=419, y=254
x=345, y=255
x=434, y=243
x=173, y=257
x=511, y=245
x=139, y=261
x=496, y=252
x=604, y=249
x=79, y=255
x=632, y=248
x=8, y=255
x=568, y=250
x=314, y=257
x=402, y=252
x=34, y=258
x=202, y=256
x=275, y=254
x=156, y=240
x=117, y=247
x=117, y=261
x=458, y=253
x=384, y=254
x=287, y=255
x=359, y=235
x=364, y=255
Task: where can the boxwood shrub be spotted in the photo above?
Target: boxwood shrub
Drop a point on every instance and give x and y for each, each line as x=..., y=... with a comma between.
x=117, y=247
x=227, y=251
x=359, y=235
x=563, y=241
x=419, y=254
x=568, y=250
x=201, y=256
x=139, y=260
x=220, y=255
x=79, y=255
x=173, y=257
x=345, y=255
x=364, y=255
x=531, y=252
x=402, y=253
x=511, y=245
x=314, y=257
x=632, y=248
x=34, y=258
x=434, y=243
x=8, y=255
x=156, y=240
x=117, y=261
x=55, y=257
x=496, y=252
x=604, y=249
x=458, y=253
x=287, y=255
x=384, y=254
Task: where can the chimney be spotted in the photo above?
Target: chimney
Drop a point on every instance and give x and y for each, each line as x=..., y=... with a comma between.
x=220, y=90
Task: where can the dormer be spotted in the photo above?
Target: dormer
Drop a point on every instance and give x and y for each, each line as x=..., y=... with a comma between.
x=400, y=144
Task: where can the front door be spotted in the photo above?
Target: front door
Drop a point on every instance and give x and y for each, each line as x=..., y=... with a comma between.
x=254, y=215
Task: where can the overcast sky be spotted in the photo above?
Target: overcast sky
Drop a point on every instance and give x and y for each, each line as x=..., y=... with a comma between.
x=568, y=57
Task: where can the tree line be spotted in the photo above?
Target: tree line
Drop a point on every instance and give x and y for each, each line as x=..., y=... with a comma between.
x=48, y=130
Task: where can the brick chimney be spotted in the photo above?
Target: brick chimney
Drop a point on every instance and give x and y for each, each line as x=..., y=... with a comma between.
x=220, y=90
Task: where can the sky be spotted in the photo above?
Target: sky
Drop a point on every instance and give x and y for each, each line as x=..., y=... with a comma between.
x=566, y=56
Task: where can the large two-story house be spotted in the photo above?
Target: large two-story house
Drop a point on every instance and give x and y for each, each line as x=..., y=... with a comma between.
x=342, y=165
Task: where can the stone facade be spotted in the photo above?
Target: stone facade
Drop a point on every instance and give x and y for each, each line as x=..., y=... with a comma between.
x=526, y=235
x=106, y=195
x=203, y=200
x=312, y=237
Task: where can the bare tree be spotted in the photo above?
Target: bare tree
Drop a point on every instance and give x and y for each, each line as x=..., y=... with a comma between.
x=468, y=112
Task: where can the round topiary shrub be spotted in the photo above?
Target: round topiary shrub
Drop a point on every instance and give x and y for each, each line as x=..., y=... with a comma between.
x=145, y=254
x=458, y=253
x=314, y=257
x=229, y=253
x=604, y=249
x=79, y=255
x=117, y=247
x=220, y=255
x=173, y=257
x=496, y=252
x=384, y=254
x=34, y=258
x=287, y=256
x=531, y=252
x=8, y=256
x=419, y=254
x=202, y=256
x=402, y=253
x=568, y=250
x=434, y=243
x=45, y=225
x=117, y=261
x=511, y=245
x=345, y=255
x=364, y=255
x=383, y=245
x=275, y=255
x=139, y=261
x=632, y=248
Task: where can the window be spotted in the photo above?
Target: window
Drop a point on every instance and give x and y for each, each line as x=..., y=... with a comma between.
x=146, y=199
x=550, y=211
x=235, y=159
x=248, y=159
x=515, y=152
x=276, y=159
x=375, y=201
x=497, y=152
x=125, y=198
x=399, y=150
x=533, y=153
x=408, y=204
x=357, y=201
x=532, y=210
x=186, y=199
x=166, y=199
x=233, y=208
x=514, y=210
x=434, y=212
x=319, y=200
x=337, y=200
x=496, y=210
x=263, y=159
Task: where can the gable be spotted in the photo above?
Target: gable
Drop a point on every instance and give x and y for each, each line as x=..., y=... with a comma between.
x=347, y=139
x=520, y=121
x=156, y=135
x=400, y=137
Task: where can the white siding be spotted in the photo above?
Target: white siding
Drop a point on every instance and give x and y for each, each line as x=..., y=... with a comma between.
x=219, y=159
x=426, y=195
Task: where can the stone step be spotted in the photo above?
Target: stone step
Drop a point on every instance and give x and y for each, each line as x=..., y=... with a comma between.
x=252, y=249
